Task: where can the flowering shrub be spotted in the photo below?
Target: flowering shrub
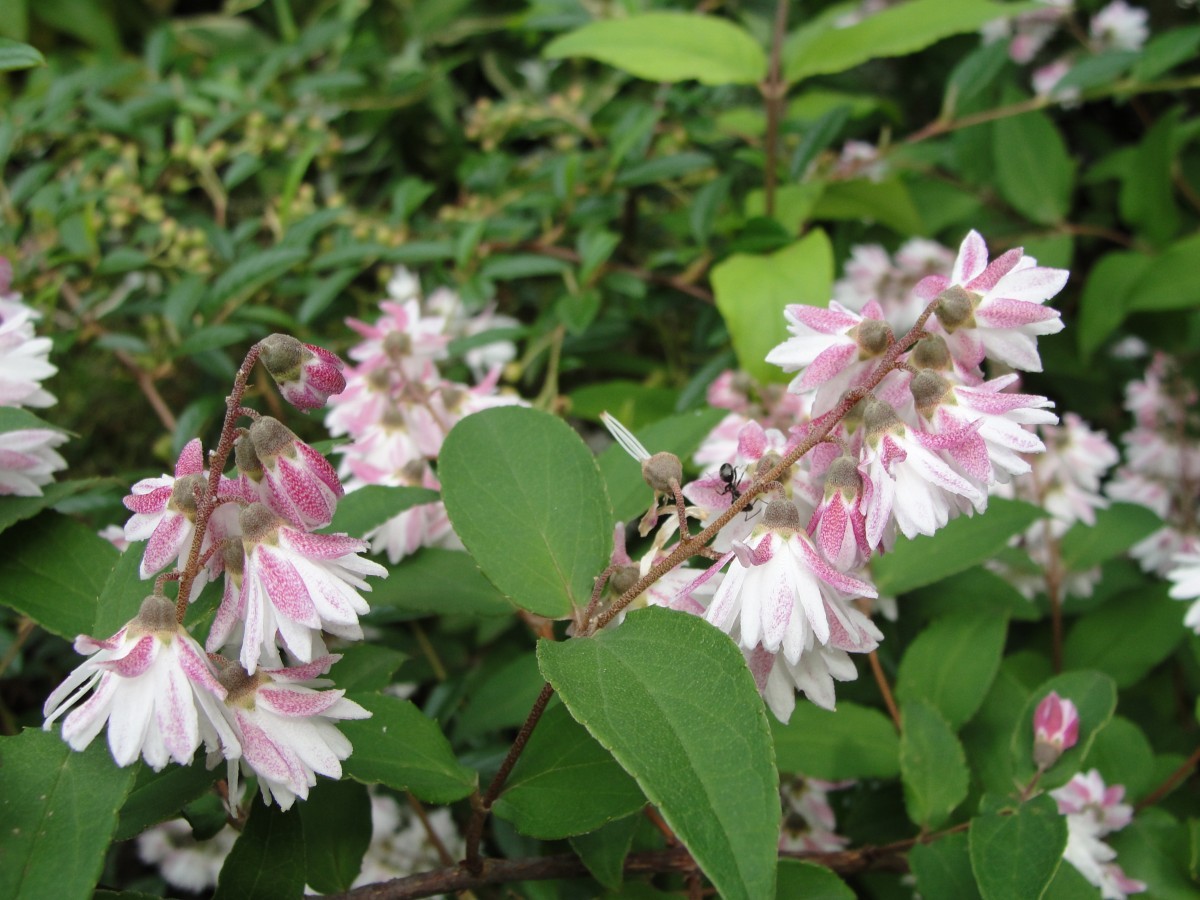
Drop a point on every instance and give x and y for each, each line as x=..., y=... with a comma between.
x=745, y=451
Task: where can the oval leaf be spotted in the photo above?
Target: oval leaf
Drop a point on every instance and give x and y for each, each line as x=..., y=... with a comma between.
x=525, y=496
x=267, y=861
x=853, y=742
x=1017, y=855
x=933, y=766
x=703, y=757
x=668, y=47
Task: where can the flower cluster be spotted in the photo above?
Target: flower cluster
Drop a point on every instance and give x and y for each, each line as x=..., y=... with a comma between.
x=928, y=440
x=285, y=588
x=1094, y=810
x=28, y=458
x=398, y=407
x=809, y=822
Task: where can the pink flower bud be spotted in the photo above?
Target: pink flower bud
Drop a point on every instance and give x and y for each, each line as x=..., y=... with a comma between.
x=1055, y=729
x=306, y=374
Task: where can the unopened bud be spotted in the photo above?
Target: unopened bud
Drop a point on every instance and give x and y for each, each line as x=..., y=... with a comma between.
x=931, y=353
x=873, y=338
x=928, y=388
x=1055, y=729
x=782, y=514
x=660, y=469
x=306, y=375
x=954, y=308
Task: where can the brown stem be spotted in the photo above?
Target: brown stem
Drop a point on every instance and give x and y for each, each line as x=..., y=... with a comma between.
x=598, y=590
x=774, y=89
x=218, y=457
x=884, y=688
x=434, y=839
x=479, y=812
x=24, y=629
x=1173, y=781
x=817, y=433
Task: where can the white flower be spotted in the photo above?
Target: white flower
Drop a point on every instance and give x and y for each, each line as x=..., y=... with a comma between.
x=28, y=460
x=1094, y=810
x=287, y=729
x=152, y=686
x=1186, y=576
x=24, y=359
x=185, y=862
x=1120, y=26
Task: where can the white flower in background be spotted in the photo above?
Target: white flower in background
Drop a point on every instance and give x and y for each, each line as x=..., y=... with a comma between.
x=152, y=686
x=1186, y=578
x=1094, y=810
x=183, y=861
x=1120, y=26
x=28, y=460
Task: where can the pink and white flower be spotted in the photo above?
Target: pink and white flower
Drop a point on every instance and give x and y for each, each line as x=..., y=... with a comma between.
x=838, y=525
x=995, y=309
x=286, y=728
x=1094, y=810
x=306, y=375
x=809, y=823
x=1055, y=729
x=813, y=674
x=1120, y=26
x=164, y=510
x=152, y=686
x=1186, y=578
x=292, y=479
x=24, y=359
x=293, y=584
x=28, y=460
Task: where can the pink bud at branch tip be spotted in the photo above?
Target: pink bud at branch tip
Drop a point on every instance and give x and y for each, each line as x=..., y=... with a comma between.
x=1055, y=729
x=307, y=375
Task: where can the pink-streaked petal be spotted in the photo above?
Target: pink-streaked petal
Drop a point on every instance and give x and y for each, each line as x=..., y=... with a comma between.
x=136, y=661
x=1006, y=313
x=971, y=260
x=175, y=716
x=828, y=364
x=191, y=460
x=84, y=722
x=997, y=269
x=297, y=703
x=830, y=575
x=826, y=321
x=284, y=588
x=930, y=286
x=164, y=545
x=196, y=667
x=307, y=672
x=149, y=503
x=1034, y=285
x=752, y=441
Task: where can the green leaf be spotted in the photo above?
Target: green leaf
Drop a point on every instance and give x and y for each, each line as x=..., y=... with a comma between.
x=1106, y=293
x=819, y=135
x=897, y=31
x=704, y=758
x=1154, y=848
x=123, y=593
x=1068, y=884
x=267, y=861
x=979, y=589
x=522, y=265
x=337, y=831
x=862, y=200
x=369, y=507
x=403, y=749
x=1034, y=170
x=1096, y=70
x=15, y=55
x=1128, y=636
x=603, y=851
x=52, y=570
x=158, y=796
x=952, y=662
x=668, y=47
x=622, y=473
x=1165, y=51
x=794, y=204
x=1094, y=695
x=366, y=667
x=526, y=498
x=963, y=543
x=565, y=783
x=59, y=810
x=1117, y=528
x=1122, y=752
x=501, y=698
x=933, y=767
x=663, y=168
x=798, y=878
x=17, y=509
x=752, y=292
x=1168, y=283
x=121, y=260
x=434, y=581
x=247, y=275
x=943, y=868
x=633, y=403
x=1147, y=198
x=1017, y=855
x=853, y=742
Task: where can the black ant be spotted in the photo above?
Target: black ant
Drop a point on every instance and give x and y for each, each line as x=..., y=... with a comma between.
x=731, y=478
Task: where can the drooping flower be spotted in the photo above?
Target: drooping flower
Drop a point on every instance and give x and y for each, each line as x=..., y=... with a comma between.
x=809, y=823
x=28, y=460
x=152, y=686
x=813, y=674
x=294, y=585
x=1094, y=810
x=871, y=273
x=24, y=359
x=1055, y=729
x=306, y=375
x=838, y=525
x=286, y=728
x=995, y=309
x=292, y=479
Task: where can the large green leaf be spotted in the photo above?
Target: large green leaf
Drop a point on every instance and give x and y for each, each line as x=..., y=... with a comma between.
x=1034, y=170
x=17, y=509
x=798, y=878
x=404, y=749
x=122, y=594
x=1017, y=855
x=500, y=697
x=565, y=783
x=897, y=31
x=933, y=768
x=1123, y=753
x=1105, y=298
x=622, y=474
x=1169, y=282
x=887, y=202
x=369, y=507
x=603, y=851
x=1116, y=530
x=752, y=292
x=704, y=757
x=952, y=662
x=525, y=496
x=665, y=46
x=158, y=796
x=267, y=861
x=943, y=868
x=963, y=543
x=52, y=570
x=1094, y=695
x=1154, y=848
x=59, y=810
x=337, y=831
x=853, y=742
x=1128, y=636
x=442, y=582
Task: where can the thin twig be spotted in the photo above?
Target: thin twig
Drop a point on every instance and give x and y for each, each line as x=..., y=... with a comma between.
x=886, y=689
x=434, y=838
x=1172, y=782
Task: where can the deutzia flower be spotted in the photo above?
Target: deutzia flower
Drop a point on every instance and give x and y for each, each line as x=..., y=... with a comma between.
x=295, y=584
x=1120, y=26
x=778, y=680
x=781, y=594
x=1186, y=576
x=1055, y=729
x=306, y=375
x=152, y=686
x=24, y=359
x=995, y=309
x=292, y=478
x=1094, y=810
x=28, y=460
x=287, y=729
